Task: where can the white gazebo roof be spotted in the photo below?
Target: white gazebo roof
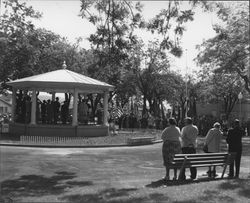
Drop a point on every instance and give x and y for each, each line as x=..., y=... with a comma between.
x=62, y=80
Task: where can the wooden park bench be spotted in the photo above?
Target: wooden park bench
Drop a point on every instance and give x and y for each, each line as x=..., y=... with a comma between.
x=182, y=161
x=140, y=140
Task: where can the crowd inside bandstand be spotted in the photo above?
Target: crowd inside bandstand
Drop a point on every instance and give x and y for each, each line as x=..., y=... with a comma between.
x=53, y=111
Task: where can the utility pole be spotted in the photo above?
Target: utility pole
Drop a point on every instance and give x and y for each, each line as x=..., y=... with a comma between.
x=0, y=9
x=186, y=110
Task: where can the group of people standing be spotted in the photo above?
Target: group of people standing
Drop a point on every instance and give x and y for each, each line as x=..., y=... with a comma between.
x=23, y=108
x=50, y=111
x=176, y=141
x=47, y=111
x=234, y=140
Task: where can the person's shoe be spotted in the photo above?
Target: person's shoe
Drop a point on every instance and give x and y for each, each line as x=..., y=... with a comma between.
x=193, y=178
x=165, y=179
x=209, y=174
x=214, y=174
x=183, y=178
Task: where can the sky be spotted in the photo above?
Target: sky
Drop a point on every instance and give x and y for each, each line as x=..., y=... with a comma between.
x=62, y=17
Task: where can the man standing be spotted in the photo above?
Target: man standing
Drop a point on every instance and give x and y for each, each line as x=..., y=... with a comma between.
x=56, y=106
x=43, y=111
x=189, y=135
x=234, y=140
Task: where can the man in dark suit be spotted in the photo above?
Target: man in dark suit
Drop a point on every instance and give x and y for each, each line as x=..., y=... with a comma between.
x=234, y=140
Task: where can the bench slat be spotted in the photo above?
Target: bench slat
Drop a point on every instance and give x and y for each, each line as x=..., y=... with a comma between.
x=200, y=158
x=200, y=155
x=178, y=166
x=205, y=161
x=205, y=165
x=201, y=162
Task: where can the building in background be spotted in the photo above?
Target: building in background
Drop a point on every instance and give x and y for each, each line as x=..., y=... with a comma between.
x=216, y=110
x=5, y=104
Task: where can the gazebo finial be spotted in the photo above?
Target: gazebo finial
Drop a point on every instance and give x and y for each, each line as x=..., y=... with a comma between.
x=64, y=65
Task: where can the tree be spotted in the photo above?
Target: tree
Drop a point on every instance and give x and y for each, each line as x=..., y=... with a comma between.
x=116, y=50
x=115, y=21
x=26, y=51
x=14, y=26
x=169, y=23
x=222, y=87
x=229, y=50
x=111, y=44
x=149, y=79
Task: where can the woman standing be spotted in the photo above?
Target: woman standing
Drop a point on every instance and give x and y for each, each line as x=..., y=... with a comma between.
x=171, y=145
x=212, y=141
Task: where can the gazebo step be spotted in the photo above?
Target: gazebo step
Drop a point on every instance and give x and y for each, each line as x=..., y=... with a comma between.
x=141, y=140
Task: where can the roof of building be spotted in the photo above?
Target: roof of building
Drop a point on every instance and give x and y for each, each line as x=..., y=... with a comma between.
x=62, y=80
x=6, y=102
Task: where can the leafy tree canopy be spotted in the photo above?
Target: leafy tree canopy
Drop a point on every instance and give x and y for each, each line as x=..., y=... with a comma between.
x=229, y=50
x=26, y=51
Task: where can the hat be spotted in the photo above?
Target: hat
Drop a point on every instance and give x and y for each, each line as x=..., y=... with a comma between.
x=236, y=122
x=216, y=125
x=189, y=120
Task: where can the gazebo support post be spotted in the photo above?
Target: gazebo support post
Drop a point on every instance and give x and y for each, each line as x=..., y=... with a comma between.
x=74, y=121
x=13, y=109
x=105, y=108
x=33, y=108
x=53, y=96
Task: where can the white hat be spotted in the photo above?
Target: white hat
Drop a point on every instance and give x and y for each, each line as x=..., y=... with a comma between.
x=216, y=125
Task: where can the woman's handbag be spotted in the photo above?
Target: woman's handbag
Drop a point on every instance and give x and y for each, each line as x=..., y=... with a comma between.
x=205, y=148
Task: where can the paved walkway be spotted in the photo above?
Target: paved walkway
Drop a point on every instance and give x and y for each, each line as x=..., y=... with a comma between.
x=30, y=173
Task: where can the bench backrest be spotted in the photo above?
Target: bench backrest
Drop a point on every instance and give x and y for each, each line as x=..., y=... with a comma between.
x=204, y=159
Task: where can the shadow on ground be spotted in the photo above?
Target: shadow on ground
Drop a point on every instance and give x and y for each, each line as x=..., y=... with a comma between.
x=38, y=185
x=161, y=182
x=207, y=196
x=113, y=195
x=243, y=186
x=215, y=195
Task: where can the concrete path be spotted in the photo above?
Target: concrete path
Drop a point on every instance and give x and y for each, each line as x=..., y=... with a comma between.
x=46, y=172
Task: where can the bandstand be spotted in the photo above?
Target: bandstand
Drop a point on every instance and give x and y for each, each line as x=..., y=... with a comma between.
x=59, y=81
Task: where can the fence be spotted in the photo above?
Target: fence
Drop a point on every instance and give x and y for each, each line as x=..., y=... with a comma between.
x=4, y=128
x=43, y=140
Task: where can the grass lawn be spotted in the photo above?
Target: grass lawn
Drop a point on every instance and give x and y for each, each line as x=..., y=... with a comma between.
x=118, y=174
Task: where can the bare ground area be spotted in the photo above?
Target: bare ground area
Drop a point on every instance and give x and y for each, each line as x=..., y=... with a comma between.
x=118, y=174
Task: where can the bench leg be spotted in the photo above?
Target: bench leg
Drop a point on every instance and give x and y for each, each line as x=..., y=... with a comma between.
x=225, y=166
x=181, y=173
x=182, y=169
x=224, y=170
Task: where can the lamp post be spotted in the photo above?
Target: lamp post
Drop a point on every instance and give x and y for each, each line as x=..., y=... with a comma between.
x=240, y=97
